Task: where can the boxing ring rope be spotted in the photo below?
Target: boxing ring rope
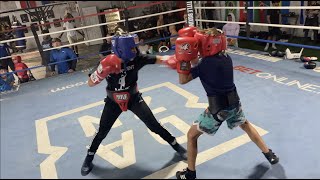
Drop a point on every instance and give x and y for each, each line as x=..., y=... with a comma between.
x=231, y=22
x=78, y=17
x=166, y=25
x=92, y=40
x=83, y=57
x=277, y=42
x=90, y=15
x=83, y=42
x=90, y=26
x=263, y=7
x=265, y=24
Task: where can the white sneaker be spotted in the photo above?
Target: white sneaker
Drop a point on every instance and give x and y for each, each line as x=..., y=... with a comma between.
x=266, y=48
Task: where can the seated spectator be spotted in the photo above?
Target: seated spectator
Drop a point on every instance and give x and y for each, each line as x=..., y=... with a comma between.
x=162, y=31
x=144, y=48
x=173, y=32
x=6, y=80
x=22, y=75
x=231, y=29
x=47, y=44
x=61, y=56
x=106, y=46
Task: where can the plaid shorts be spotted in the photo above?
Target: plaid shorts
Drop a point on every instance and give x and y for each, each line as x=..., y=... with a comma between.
x=207, y=123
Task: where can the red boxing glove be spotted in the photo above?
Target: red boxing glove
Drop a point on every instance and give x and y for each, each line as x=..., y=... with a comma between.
x=109, y=65
x=186, y=48
x=187, y=31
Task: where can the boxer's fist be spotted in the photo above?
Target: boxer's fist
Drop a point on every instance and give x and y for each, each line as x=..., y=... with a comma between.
x=187, y=31
x=109, y=65
x=186, y=48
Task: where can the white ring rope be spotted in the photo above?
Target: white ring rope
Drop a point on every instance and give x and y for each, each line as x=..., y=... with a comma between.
x=285, y=26
x=263, y=7
x=180, y=22
x=92, y=40
x=84, y=27
x=263, y=24
x=231, y=22
x=156, y=14
x=17, y=39
x=62, y=31
x=90, y=26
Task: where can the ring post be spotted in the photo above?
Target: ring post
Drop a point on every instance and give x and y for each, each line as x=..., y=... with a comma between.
x=126, y=18
x=36, y=38
x=247, y=20
x=190, y=12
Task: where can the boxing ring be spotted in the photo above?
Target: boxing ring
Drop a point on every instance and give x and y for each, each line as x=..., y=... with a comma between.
x=47, y=124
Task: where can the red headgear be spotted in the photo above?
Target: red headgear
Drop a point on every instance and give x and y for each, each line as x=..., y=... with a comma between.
x=18, y=58
x=187, y=31
x=211, y=44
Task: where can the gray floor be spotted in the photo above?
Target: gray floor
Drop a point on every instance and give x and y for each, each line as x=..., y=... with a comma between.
x=42, y=134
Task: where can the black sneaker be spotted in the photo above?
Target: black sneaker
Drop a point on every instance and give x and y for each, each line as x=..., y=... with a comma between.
x=272, y=158
x=186, y=174
x=180, y=150
x=87, y=164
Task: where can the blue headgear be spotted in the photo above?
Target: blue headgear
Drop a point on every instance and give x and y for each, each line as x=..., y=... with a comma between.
x=122, y=46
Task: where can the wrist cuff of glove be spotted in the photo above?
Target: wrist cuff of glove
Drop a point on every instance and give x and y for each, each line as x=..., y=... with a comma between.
x=184, y=67
x=95, y=78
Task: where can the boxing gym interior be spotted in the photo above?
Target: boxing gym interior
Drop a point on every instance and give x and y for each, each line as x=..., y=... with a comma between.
x=49, y=116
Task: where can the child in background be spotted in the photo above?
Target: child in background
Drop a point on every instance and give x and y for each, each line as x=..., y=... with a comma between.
x=23, y=75
x=6, y=80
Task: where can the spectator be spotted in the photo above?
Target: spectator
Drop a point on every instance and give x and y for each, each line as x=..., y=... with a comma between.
x=173, y=32
x=22, y=75
x=4, y=52
x=144, y=48
x=71, y=35
x=60, y=56
x=20, y=45
x=47, y=44
x=161, y=31
x=231, y=29
x=6, y=80
x=312, y=19
x=9, y=35
x=106, y=46
x=273, y=17
x=210, y=13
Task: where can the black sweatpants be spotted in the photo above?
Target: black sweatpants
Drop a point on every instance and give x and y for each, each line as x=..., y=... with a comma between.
x=311, y=22
x=138, y=106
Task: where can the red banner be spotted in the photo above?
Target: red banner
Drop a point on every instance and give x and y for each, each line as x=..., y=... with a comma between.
x=28, y=4
x=243, y=12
